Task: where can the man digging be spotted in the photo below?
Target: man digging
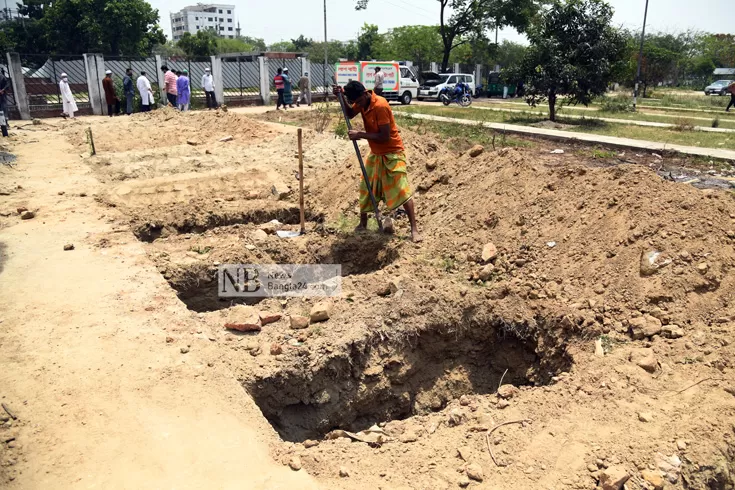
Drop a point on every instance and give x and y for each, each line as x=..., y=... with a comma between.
x=386, y=163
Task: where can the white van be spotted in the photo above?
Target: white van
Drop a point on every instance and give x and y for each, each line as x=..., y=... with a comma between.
x=400, y=83
x=433, y=83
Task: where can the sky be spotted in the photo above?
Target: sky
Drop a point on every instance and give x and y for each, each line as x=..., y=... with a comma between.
x=282, y=20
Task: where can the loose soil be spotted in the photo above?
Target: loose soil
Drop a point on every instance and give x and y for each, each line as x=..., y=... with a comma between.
x=610, y=361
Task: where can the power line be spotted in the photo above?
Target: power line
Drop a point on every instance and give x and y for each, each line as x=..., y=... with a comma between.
x=409, y=10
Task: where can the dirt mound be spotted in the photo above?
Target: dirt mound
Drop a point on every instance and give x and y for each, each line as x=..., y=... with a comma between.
x=167, y=127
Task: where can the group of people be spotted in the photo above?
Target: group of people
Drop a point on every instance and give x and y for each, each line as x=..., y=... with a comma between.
x=177, y=87
x=282, y=81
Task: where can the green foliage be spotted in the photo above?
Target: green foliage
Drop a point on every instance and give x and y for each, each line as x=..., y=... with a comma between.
x=465, y=21
x=283, y=47
x=369, y=43
x=204, y=43
x=420, y=44
x=301, y=43
x=616, y=104
x=341, y=129
x=572, y=53
x=225, y=45
x=82, y=26
x=256, y=42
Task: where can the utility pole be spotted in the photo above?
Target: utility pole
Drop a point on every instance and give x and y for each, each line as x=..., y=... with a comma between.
x=640, y=58
x=326, y=55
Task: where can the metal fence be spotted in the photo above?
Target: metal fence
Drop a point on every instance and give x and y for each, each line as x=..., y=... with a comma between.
x=240, y=79
x=196, y=68
x=42, y=73
x=318, y=84
x=10, y=103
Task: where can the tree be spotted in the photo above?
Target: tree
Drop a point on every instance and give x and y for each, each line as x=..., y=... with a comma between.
x=469, y=19
x=204, y=43
x=225, y=45
x=301, y=43
x=257, y=43
x=282, y=47
x=369, y=43
x=573, y=52
x=112, y=27
x=420, y=44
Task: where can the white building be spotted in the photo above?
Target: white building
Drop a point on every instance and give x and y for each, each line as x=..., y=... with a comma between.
x=219, y=18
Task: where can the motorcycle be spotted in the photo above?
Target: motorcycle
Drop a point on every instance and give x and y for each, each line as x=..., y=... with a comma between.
x=460, y=94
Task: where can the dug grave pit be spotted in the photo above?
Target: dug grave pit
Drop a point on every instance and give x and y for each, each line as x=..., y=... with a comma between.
x=189, y=262
x=377, y=379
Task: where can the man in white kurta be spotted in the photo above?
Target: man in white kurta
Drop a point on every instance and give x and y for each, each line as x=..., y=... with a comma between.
x=146, y=94
x=70, y=107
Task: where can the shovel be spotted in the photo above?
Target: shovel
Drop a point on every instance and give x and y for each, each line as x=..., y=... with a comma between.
x=362, y=164
x=302, y=231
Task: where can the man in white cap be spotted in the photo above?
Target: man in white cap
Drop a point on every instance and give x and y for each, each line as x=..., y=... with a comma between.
x=110, y=95
x=146, y=94
x=304, y=90
x=208, y=86
x=70, y=107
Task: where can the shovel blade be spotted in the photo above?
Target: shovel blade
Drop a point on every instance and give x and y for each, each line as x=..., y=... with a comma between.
x=288, y=234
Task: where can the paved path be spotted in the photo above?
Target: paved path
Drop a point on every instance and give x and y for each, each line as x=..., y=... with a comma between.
x=589, y=138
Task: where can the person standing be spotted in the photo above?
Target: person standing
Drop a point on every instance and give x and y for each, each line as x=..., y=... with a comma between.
x=731, y=89
x=280, y=87
x=69, y=105
x=386, y=164
x=4, y=89
x=110, y=95
x=169, y=80
x=304, y=90
x=379, y=79
x=182, y=87
x=287, y=90
x=128, y=91
x=208, y=86
x=146, y=93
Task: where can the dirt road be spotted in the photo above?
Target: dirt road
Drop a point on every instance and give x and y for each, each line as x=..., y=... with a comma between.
x=102, y=400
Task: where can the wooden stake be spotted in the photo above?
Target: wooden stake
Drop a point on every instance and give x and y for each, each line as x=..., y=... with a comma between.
x=90, y=140
x=301, y=183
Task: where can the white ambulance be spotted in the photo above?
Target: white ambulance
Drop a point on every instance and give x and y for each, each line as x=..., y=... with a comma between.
x=400, y=83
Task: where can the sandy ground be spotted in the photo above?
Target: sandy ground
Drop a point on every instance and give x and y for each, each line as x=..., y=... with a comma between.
x=528, y=303
x=102, y=401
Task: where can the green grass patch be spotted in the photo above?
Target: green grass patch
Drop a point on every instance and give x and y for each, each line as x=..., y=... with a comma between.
x=460, y=137
x=347, y=224
x=682, y=134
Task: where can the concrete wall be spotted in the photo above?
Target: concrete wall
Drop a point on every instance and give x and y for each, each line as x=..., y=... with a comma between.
x=15, y=71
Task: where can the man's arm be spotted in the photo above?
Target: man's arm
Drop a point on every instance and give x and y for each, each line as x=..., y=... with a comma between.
x=381, y=137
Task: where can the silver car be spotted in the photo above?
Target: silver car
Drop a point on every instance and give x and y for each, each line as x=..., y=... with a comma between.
x=717, y=88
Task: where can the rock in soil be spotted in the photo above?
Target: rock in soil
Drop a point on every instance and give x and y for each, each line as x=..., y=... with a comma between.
x=476, y=151
x=299, y=322
x=486, y=272
x=489, y=252
x=645, y=416
x=310, y=443
x=266, y=317
x=644, y=358
x=474, y=472
x=644, y=326
x=507, y=391
x=321, y=311
x=27, y=215
x=344, y=472
x=613, y=478
x=672, y=331
x=276, y=349
x=69, y=246
x=655, y=478
x=295, y=463
x=243, y=319
x=184, y=350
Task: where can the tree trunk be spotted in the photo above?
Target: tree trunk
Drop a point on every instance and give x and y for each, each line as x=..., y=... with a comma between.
x=552, y=107
x=447, y=38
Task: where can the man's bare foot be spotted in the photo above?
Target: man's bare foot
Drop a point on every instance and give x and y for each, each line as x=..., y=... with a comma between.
x=416, y=236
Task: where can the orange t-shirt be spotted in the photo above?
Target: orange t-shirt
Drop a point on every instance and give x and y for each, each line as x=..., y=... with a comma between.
x=379, y=114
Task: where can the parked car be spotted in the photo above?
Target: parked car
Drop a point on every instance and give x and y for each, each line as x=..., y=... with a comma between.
x=433, y=83
x=719, y=87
